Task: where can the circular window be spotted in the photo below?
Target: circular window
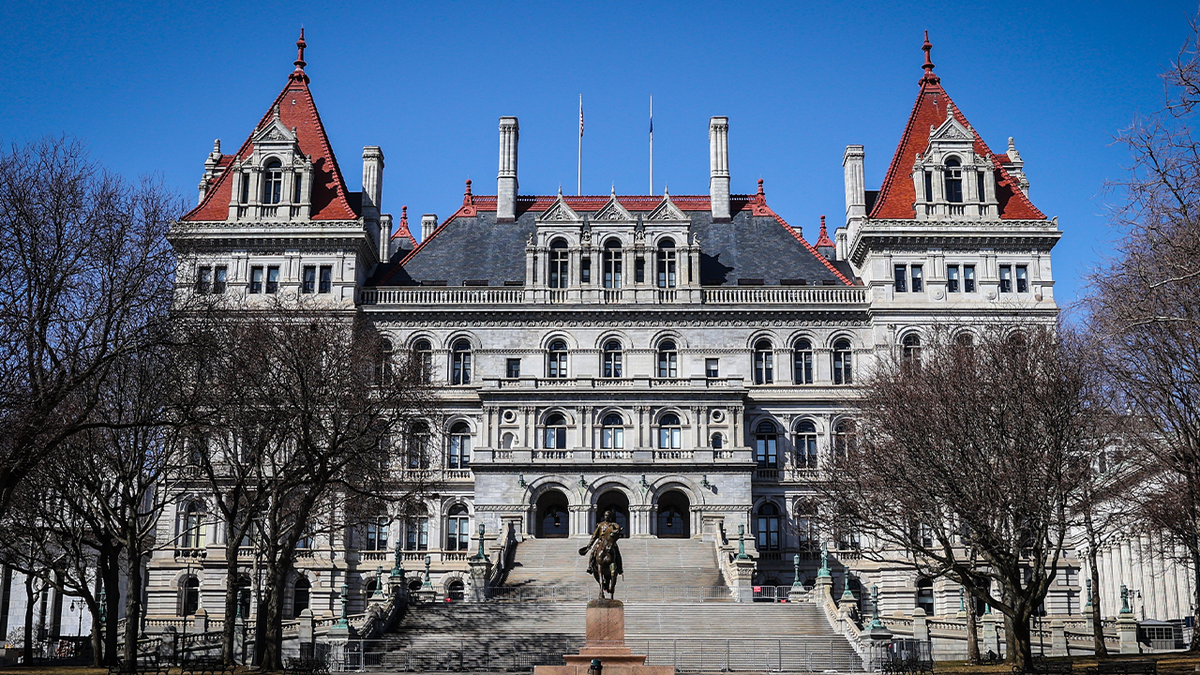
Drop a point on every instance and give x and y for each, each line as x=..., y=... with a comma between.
x=509, y=416
x=718, y=416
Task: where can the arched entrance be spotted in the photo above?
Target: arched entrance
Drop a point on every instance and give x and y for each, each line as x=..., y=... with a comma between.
x=619, y=503
x=552, y=520
x=674, y=514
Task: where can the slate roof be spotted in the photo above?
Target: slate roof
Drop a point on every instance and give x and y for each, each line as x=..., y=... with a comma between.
x=331, y=200
x=756, y=246
x=897, y=196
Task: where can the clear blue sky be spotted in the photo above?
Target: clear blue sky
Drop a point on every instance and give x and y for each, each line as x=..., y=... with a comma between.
x=149, y=85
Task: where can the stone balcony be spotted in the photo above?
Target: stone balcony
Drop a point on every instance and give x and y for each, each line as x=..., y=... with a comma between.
x=490, y=296
x=734, y=384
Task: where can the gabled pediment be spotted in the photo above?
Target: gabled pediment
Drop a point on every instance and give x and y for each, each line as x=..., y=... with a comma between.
x=560, y=212
x=951, y=130
x=613, y=211
x=274, y=131
x=667, y=211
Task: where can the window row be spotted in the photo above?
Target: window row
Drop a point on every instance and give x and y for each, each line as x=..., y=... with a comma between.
x=952, y=183
x=960, y=278
x=272, y=184
x=804, y=443
x=612, y=261
x=666, y=364
x=211, y=279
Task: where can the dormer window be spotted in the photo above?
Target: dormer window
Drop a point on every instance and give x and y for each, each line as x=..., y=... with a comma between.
x=666, y=264
x=612, y=263
x=954, y=188
x=273, y=182
x=559, y=265
x=244, y=197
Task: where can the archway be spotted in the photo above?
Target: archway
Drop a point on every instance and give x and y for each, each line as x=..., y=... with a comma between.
x=454, y=590
x=619, y=504
x=674, y=514
x=552, y=520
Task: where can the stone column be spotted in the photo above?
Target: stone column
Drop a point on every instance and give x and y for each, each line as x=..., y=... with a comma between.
x=991, y=640
x=920, y=625
x=1058, y=638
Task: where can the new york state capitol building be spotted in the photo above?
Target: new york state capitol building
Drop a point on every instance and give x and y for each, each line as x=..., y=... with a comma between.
x=684, y=360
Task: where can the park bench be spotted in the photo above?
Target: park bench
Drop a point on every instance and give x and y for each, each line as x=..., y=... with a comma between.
x=1040, y=666
x=1124, y=668
x=206, y=666
x=306, y=666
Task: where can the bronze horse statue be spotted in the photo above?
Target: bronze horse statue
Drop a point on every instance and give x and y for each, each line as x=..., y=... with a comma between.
x=604, y=556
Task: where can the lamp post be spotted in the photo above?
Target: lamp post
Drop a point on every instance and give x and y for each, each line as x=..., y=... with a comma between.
x=742, y=543
x=342, y=617
x=428, y=584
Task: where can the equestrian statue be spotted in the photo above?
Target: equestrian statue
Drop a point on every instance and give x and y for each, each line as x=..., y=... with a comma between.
x=604, y=557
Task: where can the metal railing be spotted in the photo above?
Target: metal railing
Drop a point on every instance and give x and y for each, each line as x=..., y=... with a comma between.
x=643, y=594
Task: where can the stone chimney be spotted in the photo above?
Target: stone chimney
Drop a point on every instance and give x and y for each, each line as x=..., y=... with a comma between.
x=429, y=223
x=506, y=179
x=856, y=195
x=372, y=183
x=718, y=163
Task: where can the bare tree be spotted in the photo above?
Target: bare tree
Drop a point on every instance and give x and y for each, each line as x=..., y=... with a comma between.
x=1145, y=307
x=87, y=269
x=968, y=460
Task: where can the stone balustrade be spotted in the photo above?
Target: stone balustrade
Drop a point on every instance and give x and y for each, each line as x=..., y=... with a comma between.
x=500, y=295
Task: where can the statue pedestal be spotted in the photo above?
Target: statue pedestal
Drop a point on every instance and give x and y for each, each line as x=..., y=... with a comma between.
x=605, y=642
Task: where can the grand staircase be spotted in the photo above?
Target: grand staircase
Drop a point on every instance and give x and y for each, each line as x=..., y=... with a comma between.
x=540, y=615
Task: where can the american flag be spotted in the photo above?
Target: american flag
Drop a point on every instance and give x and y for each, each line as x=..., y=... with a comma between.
x=581, y=116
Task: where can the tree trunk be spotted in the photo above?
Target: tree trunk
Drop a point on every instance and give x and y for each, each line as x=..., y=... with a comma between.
x=1195, y=646
x=1097, y=616
x=29, y=602
x=273, y=640
x=97, y=638
x=133, y=606
x=231, y=600
x=972, y=634
x=1020, y=640
x=111, y=575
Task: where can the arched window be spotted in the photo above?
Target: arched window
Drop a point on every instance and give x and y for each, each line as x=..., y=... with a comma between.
x=668, y=359
x=559, y=265
x=300, y=592
x=806, y=445
x=416, y=532
x=954, y=191
x=556, y=360
x=767, y=527
x=418, y=446
x=845, y=437
x=454, y=590
x=612, y=263
x=189, y=596
x=376, y=538
x=612, y=432
x=843, y=362
x=964, y=340
x=717, y=441
x=460, y=446
x=765, y=445
x=423, y=353
x=910, y=350
x=458, y=529
x=556, y=432
x=925, y=595
x=272, y=182
x=666, y=264
x=193, y=525
x=460, y=363
x=670, y=432
x=802, y=361
x=612, y=359
x=383, y=371
x=764, y=362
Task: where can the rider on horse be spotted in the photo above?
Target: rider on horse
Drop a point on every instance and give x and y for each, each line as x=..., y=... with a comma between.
x=604, y=557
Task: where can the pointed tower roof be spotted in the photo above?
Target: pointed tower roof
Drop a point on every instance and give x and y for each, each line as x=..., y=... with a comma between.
x=296, y=110
x=402, y=231
x=897, y=195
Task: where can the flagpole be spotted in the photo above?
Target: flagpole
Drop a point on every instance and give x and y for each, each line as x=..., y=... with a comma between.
x=651, y=143
x=579, y=164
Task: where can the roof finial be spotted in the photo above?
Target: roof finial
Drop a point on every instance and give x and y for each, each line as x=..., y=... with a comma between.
x=928, y=65
x=298, y=73
x=467, y=198
x=760, y=186
x=404, y=217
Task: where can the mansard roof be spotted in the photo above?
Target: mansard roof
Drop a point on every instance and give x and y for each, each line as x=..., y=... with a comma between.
x=897, y=196
x=331, y=200
x=756, y=246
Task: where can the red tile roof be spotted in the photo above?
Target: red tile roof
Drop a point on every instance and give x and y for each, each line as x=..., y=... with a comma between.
x=296, y=110
x=897, y=196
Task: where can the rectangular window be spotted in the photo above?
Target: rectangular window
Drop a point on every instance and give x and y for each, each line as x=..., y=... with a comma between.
x=244, y=198
x=918, y=279
x=272, y=279
x=203, y=280
x=256, y=279
x=1022, y=279
x=901, y=279
x=585, y=271
x=712, y=368
x=928, y=186
x=297, y=182
x=639, y=270
x=417, y=535
x=979, y=186
x=309, y=284
x=219, y=273
x=952, y=279
x=513, y=368
x=326, y=279
x=969, y=278
x=1006, y=279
